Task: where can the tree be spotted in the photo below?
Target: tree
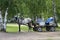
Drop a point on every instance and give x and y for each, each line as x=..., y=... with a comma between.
x=54, y=11
x=4, y=11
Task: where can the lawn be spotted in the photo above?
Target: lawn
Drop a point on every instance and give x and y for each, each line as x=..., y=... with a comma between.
x=11, y=27
x=15, y=28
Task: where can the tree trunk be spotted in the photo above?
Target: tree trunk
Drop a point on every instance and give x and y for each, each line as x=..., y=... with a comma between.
x=5, y=20
x=54, y=12
x=1, y=21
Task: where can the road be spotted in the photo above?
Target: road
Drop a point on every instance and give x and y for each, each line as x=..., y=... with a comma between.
x=30, y=36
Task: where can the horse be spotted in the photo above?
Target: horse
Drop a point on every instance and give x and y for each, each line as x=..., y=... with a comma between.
x=24, y=21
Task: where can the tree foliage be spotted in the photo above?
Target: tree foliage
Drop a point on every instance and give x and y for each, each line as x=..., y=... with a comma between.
x=29, y=8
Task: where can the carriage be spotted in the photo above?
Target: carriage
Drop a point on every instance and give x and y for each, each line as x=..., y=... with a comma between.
x=37, y=26
x=49, y=24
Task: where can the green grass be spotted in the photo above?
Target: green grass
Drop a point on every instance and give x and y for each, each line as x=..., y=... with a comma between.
x=15, y=28
x=49, y=39
x=11, y=29
x=58, y=28
x=24, y=28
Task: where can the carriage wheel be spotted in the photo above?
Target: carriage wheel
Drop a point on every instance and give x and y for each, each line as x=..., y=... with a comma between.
x=39, y=29
x=52, y=29
x=47, y=28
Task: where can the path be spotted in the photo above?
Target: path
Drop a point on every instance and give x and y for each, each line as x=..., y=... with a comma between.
x=30, y=36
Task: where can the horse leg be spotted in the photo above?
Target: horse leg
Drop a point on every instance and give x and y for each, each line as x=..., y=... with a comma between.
x=19, y=28
x=29, y=26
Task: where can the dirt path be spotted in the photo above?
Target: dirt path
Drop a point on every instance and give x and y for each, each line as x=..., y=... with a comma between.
x=30, y=36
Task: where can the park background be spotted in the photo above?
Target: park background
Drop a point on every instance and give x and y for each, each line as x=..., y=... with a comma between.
x=28, y=8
